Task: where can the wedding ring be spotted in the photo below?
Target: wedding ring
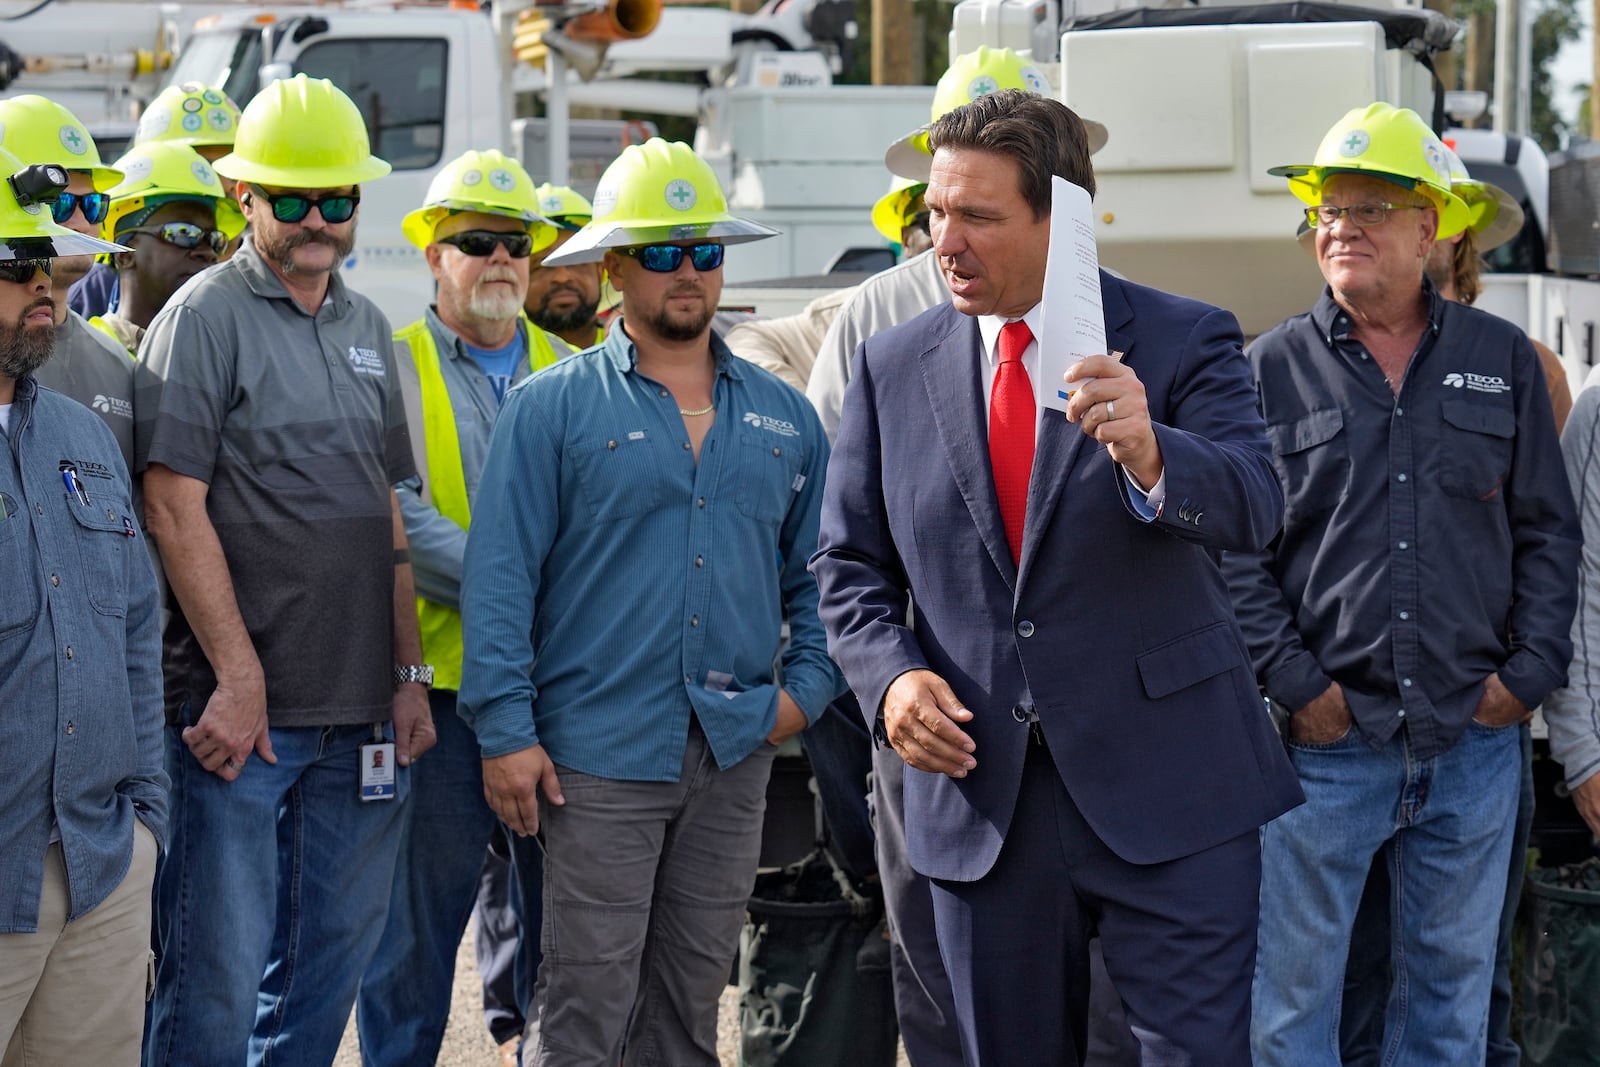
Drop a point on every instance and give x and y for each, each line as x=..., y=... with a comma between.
x=1111, y=410
x=233, y=765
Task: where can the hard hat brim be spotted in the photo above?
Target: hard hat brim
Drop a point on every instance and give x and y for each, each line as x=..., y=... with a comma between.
x=589, y=244
x=418, y=226
x=909, y=156
x=243, y=170
x=1306, y=180
x=888, y=214
x=102, y=177
x=53, y=244
x=1504, y=220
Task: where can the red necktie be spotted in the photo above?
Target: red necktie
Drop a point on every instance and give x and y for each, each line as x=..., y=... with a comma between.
x=1011, y=427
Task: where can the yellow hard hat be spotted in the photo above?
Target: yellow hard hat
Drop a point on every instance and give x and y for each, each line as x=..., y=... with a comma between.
x=36, y=129
x=158, y=172
x=302, y=133
x=192, y=113
x=564, y=206
x=1389, y=143
x=27, y=229
x=971, y=75
x=655, y=192
x=490, y=182
x=889, y=213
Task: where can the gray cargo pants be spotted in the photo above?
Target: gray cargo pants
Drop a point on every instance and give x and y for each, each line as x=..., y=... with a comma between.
x=645, y=886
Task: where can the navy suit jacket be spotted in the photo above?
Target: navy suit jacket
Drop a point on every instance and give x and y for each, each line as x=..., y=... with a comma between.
x=1119, y=632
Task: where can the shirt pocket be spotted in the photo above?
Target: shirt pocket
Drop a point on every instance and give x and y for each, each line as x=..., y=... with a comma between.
x=1312, y=454
x=619, y=477
x=766, y=471
x=1475, y=449
x=18, y=605
x=103, y=530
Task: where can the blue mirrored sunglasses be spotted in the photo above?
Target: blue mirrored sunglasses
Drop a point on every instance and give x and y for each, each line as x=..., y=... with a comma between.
x=94, y=206
x=664, y=259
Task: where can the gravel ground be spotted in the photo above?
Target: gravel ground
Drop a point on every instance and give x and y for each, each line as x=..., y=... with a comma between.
x=467, y=1042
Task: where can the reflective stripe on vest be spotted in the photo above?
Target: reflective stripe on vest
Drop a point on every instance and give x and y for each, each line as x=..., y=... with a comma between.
x=447, y=482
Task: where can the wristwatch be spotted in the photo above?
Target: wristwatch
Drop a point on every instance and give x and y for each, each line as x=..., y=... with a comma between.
x=415, y=672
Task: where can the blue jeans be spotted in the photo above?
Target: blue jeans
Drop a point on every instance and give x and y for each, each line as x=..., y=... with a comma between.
x=1366, y=982
x=1449, y=818
x=269, y=901
x=404, y=1001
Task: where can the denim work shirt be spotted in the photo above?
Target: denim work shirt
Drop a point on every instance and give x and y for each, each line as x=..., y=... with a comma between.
x=1430, y=538
x=613, y=585
x=80, y=660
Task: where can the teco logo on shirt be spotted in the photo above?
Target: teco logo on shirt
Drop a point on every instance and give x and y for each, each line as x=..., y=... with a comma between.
x=366, y=361
x=1482, y=383
x=112, y=405
x=771, y=425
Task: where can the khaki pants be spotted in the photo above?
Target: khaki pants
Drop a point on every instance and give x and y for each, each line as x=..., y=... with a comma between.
x=74, y=993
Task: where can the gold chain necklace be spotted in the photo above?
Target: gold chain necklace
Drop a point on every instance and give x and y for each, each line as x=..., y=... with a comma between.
x=708, y=409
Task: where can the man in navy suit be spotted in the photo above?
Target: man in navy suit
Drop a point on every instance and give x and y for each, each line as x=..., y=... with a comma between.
x=1085, y=743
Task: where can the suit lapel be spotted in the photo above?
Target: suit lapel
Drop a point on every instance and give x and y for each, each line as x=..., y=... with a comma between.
x=955, y=394
x=1059, y=442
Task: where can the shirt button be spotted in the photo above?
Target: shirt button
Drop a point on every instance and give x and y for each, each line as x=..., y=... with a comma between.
x=699, y=561
x=686, y=446
x=1403, y=545
x=1024, y=628
x=1406, y=682
x=777, y=451
x=55, y=580
x=1400, y=714
x=663, y=394
x=694, y=620
x=611, y=445
x=700, y=503
x=1400, y=477
x=38, y=509
x=687, y=680
x=1405, y=614
x=69, y=651
x=1399, y=411
x=70, y=727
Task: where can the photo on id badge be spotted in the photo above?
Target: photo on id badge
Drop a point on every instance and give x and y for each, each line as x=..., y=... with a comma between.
x=377, y=768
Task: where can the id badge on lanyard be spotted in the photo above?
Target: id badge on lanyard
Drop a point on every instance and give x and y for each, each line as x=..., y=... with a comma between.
x=377, y=767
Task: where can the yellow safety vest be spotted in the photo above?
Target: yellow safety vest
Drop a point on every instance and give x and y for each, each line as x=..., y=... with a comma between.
x=105, y=327
x=441, y=626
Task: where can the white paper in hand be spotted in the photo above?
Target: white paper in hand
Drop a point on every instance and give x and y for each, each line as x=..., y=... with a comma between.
x=1072, y=325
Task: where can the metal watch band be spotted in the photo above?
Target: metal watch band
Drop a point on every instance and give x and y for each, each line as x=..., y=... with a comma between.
x=414, y=673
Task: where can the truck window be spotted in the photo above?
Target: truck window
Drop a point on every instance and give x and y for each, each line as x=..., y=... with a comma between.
x=230, y=61
x=399, y=85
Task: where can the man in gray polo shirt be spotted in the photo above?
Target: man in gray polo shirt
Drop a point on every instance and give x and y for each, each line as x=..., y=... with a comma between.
x=270, y=430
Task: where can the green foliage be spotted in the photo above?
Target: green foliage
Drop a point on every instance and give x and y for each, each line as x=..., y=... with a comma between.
x=933, y=16
x=1556, y=23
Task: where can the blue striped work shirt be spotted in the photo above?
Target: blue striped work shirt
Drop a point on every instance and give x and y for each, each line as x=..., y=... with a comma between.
x=612, y=585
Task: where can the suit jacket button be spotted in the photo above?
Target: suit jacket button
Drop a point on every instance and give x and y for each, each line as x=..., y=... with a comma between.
x=1024, y=628
x=1019, y=713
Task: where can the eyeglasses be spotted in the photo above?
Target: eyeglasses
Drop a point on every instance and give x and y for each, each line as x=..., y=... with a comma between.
x=483, y=242
x=664, y=259
x=187, y=235
x=291, y=207
x=94, y=206
x=1368, y=213
x=18, y=271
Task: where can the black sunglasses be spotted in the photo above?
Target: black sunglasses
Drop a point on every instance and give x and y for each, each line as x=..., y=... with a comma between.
x=187, y=235
x=664, y=259
x=291, y=207
x=94, y=206
x=18, y=271
x=483, y=242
